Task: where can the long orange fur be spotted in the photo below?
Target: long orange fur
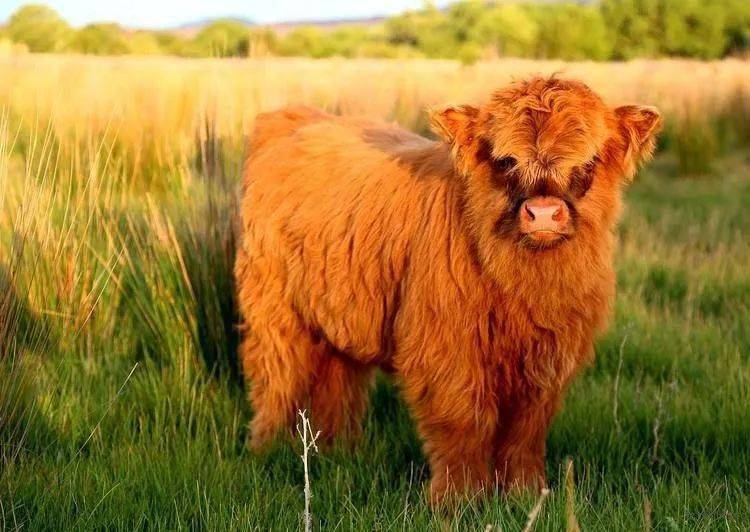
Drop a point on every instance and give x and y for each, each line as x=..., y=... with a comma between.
x=368, y=246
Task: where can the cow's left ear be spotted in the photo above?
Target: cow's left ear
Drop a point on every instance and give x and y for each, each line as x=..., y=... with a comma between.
x=454, y=124
x=639, y=125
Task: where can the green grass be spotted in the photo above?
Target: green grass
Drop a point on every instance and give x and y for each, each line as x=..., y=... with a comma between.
x=122, y=407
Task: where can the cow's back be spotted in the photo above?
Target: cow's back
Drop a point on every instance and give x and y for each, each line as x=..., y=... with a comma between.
x=329, y=211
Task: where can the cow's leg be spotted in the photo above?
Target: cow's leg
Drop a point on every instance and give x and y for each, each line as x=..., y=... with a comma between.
x=456, y=419
x=339, y=396
x=520, y=449
x=279, y=358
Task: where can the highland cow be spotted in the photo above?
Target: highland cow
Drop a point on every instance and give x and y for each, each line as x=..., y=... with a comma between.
x=476, y=269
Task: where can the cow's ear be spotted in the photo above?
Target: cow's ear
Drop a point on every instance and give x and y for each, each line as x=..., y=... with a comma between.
x=454, y=124
x=639, y=125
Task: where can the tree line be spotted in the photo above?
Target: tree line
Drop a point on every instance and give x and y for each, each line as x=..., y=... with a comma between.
x=468, y=30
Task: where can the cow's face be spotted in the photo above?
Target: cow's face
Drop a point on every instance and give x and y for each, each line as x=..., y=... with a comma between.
x=543, y=162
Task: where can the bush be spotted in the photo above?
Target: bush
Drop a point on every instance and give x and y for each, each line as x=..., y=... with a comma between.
x=572, y=32
x=693, y=28
x=634, y=26
x=100, y=39
x=144, y=43
x=303, y=41
x=509, y=29
x=737, y=27
x=223, y=38
x=170, y=43
x=263, y=42
x=40, y=28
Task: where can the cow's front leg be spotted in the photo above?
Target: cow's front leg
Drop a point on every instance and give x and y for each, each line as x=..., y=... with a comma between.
x=521, y=444
x=457, y=420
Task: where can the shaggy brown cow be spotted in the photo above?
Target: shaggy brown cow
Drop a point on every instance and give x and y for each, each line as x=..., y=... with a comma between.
x=477, y=269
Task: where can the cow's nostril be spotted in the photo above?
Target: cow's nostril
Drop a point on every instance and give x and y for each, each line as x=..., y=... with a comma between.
x=558, y=215
x=529, y=212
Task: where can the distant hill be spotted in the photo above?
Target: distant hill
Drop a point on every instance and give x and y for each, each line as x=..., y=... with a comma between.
x=281, y=28
x=198, y=24
x=189, y=29
x=285, y=27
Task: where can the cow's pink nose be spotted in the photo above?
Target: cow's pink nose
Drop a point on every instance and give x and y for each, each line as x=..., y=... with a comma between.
x=544, y=214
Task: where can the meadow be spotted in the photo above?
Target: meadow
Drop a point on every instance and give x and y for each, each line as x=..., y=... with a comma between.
x=121, y=406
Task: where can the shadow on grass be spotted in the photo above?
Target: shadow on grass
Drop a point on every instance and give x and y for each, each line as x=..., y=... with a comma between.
x=208, y=240
x=22, y=331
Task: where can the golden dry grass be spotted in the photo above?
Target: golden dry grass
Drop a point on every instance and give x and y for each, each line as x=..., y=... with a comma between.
x=162, y=101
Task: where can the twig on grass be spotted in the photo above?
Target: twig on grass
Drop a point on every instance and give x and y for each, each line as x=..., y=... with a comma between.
x=570, y=492
x=646, y=514
x=616, y=391
x=305, y=432
x=657, y=426
x=535, y=511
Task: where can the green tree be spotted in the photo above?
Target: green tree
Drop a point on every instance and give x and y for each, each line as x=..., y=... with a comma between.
x=694, y=28
x=463, y=18
x=223, y=38
x=263, y=41
x=403, y=29
x=509, y=28
x=40, y=28
x=636, y=27
x=171, y=43
x=430, y=30
x=306, y=40
x=737, y=27
x=572, y=32
x=144, y=43
x=100, y=39
x=346, y=42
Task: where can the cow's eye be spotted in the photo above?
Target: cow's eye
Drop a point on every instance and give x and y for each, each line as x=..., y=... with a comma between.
x=503, y=173
x=504, y=165
x=582, y=178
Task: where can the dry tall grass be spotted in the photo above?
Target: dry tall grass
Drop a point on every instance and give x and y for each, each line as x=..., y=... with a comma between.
x=155, y=106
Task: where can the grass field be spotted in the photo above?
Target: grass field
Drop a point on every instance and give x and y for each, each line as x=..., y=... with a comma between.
x=120, y=403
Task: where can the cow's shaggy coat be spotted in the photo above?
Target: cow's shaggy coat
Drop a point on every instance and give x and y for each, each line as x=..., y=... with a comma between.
x=368, y=246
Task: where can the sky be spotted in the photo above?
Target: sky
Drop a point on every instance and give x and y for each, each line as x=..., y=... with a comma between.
x=171, y=13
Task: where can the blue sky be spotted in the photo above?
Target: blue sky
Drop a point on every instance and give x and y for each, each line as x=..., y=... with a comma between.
x=169, y=13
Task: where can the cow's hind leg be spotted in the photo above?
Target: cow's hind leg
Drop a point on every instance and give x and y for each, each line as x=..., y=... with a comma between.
x=279, y=360
x=339, y=396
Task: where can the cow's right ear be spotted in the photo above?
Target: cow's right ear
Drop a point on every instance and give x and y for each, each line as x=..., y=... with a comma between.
x=455, y=124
